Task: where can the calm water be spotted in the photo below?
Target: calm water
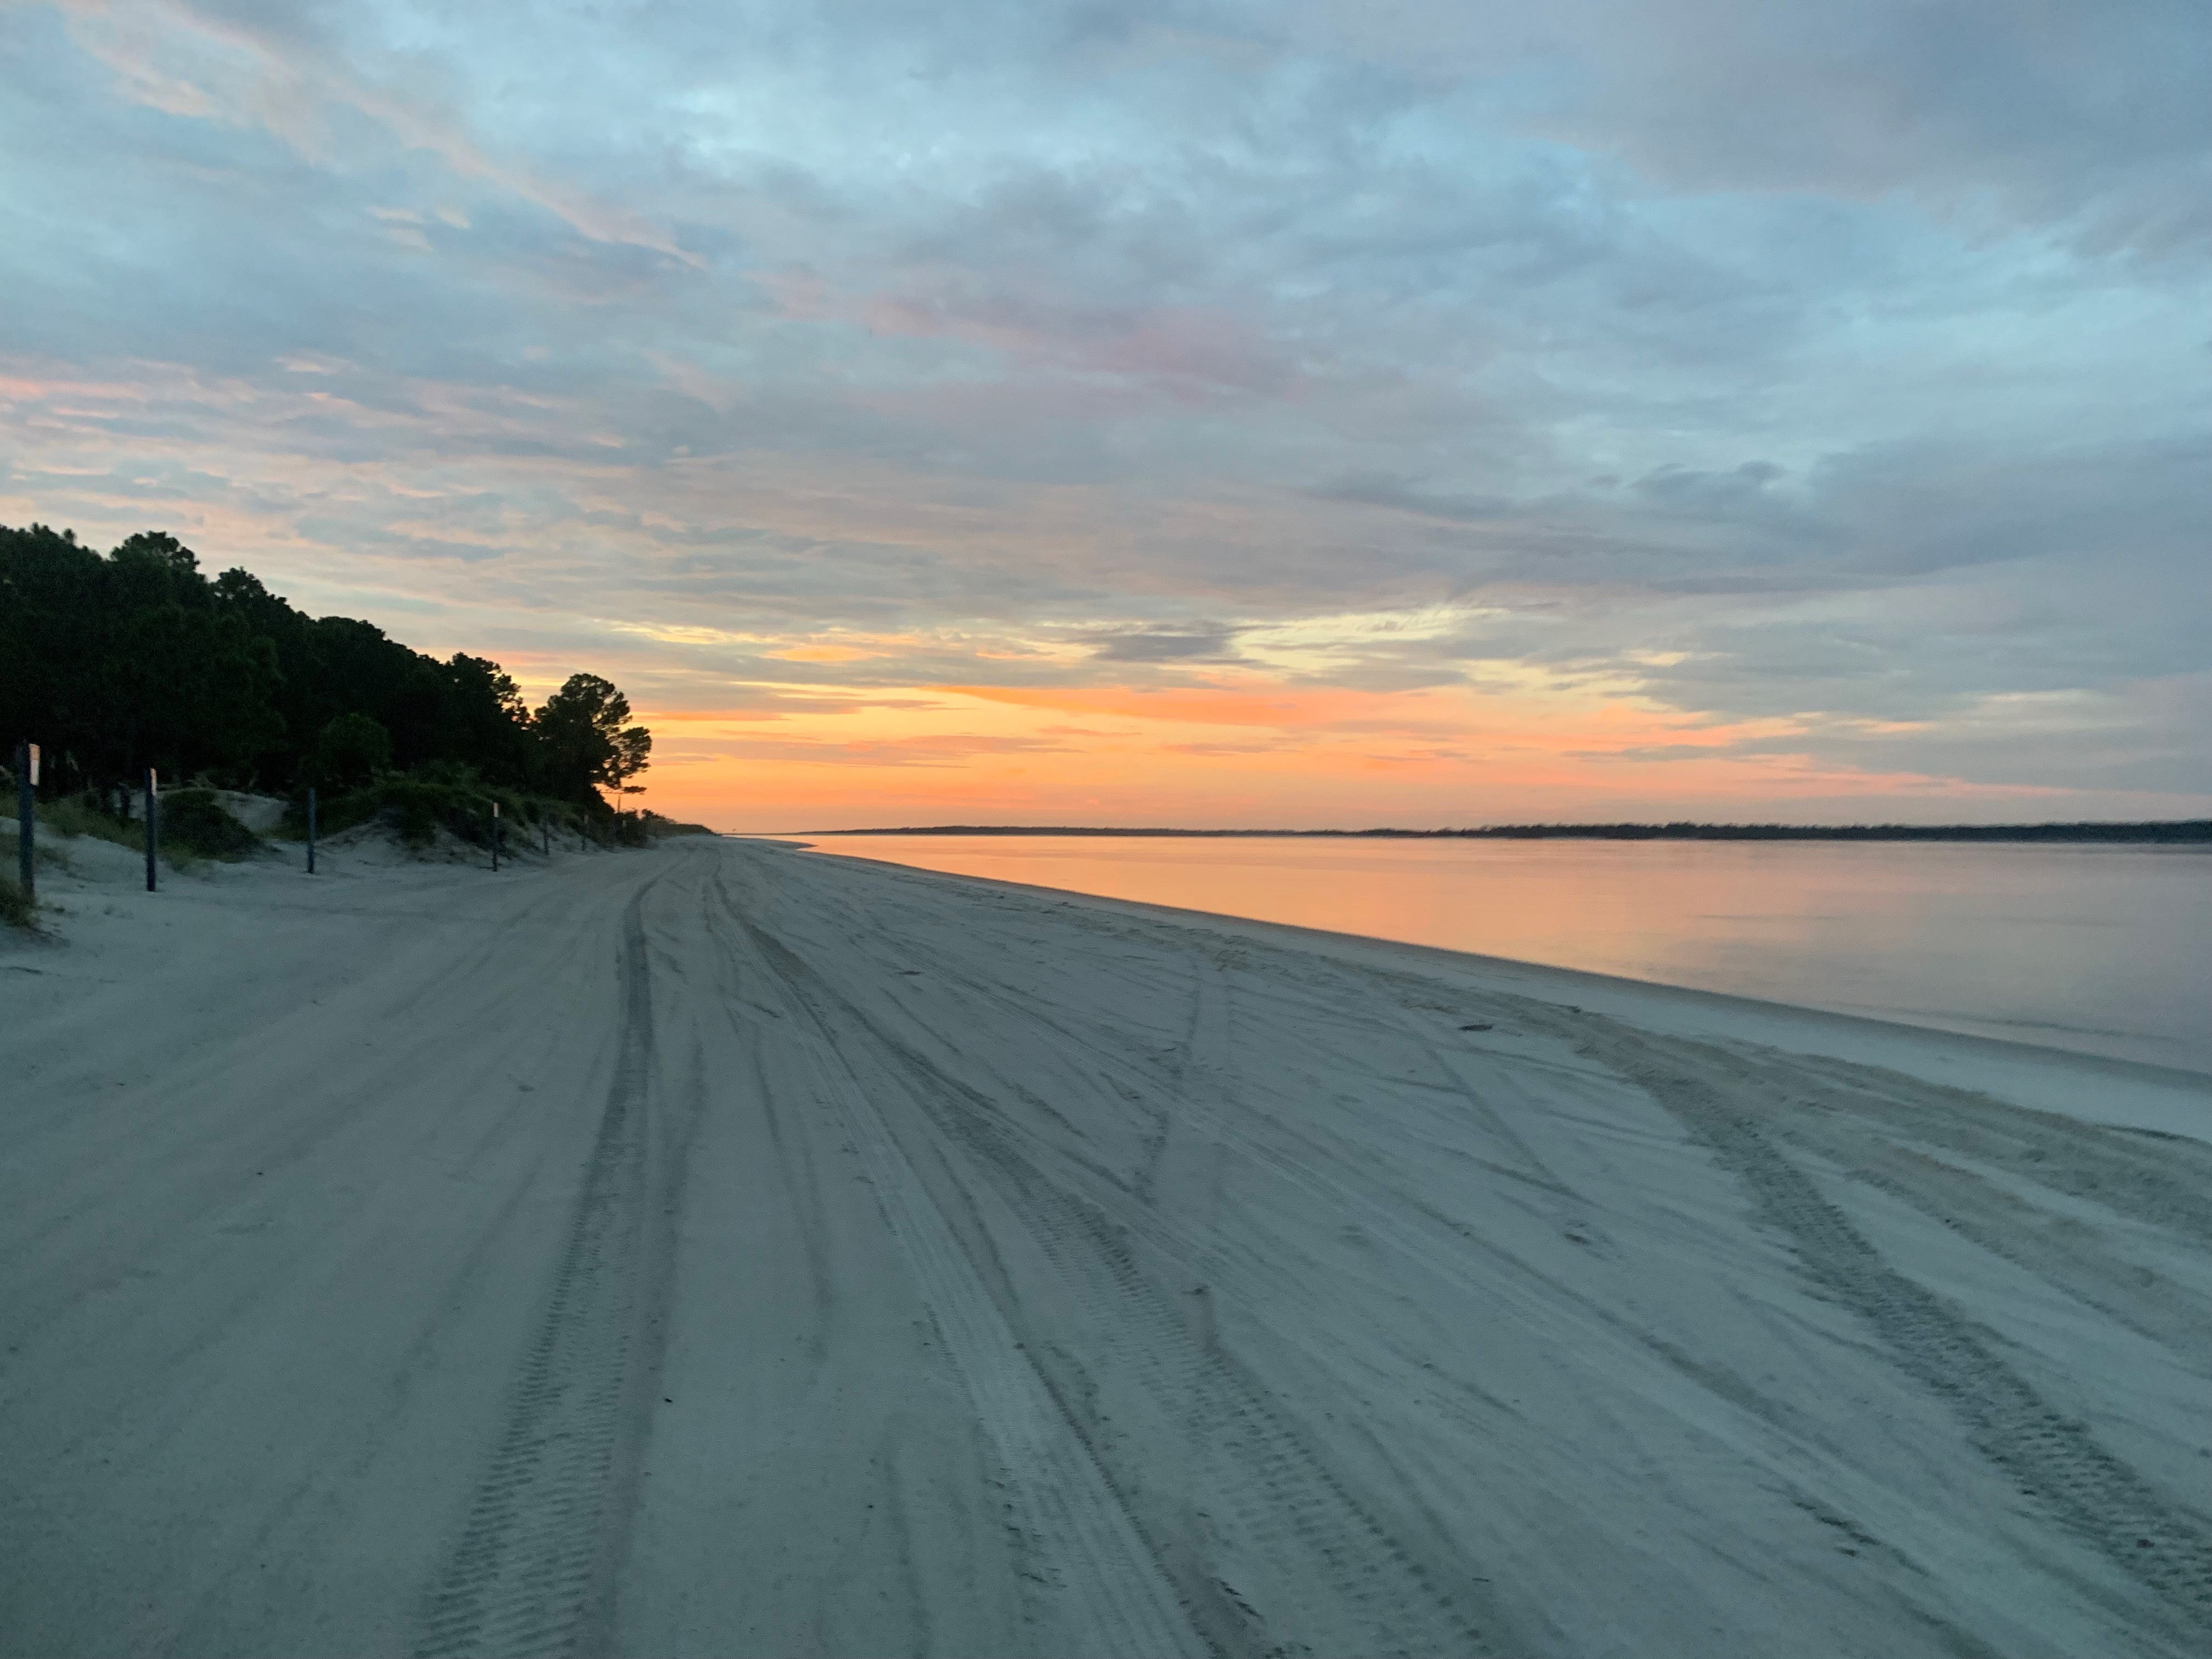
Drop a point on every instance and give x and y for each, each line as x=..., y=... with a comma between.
x=2104, y=949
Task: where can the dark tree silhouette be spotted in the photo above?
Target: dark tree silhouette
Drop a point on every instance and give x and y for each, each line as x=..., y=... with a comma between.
x=350, y=751
x=584, y=742
x=137, y=658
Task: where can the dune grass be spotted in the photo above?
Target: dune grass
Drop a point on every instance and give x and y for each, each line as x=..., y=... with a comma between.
x=75, y=816
x=50, y=855
x=195, y=826
x=195, y=823
x=658, y=827
x=419, y=804
x=15, y=907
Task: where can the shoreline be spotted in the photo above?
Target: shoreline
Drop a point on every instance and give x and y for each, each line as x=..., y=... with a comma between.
x=2098, y=1048
x=2169, y=1100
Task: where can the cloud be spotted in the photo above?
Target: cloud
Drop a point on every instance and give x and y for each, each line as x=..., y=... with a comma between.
x=1200, y=642
x=2071, y=113
x=237, y=67
x=1383, y=490
x=1737, y=363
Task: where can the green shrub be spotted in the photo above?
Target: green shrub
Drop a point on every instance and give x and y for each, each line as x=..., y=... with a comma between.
x=438, y=795
x=195, y=825
x=420, y=807
x=194, y=822
x=332, y=813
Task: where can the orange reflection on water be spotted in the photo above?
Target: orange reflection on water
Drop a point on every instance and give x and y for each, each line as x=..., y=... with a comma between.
x=2096, y=948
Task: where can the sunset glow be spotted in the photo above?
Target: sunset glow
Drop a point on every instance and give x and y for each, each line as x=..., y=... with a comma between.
x=1042, y=413
x=1254, y=752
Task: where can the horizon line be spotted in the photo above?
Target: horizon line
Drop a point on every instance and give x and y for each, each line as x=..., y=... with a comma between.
x=2150, y=829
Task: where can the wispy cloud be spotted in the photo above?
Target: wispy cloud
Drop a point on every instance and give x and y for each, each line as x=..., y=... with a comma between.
x=230, y=66
x=1659, y=401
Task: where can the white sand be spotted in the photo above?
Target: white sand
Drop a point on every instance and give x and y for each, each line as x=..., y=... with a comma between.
x=724, y=1249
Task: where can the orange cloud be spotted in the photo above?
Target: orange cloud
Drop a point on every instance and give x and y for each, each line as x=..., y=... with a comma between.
x=823, y=653
x=1196, y=706
x=1260, y=752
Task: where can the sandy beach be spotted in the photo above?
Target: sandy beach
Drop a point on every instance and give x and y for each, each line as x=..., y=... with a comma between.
x=725, y=1248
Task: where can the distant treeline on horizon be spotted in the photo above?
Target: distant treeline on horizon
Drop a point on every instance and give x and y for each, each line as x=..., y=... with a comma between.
x=2184, y=829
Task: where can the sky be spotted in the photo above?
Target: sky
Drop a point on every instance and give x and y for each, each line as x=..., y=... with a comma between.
x=1316, y=413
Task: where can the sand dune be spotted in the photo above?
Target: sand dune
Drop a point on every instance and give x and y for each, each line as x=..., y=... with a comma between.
x=727, y=1249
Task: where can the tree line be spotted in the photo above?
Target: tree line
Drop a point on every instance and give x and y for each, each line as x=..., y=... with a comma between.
x=112, y=663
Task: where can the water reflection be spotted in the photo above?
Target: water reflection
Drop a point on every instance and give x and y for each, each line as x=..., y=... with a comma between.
x=2103, y=949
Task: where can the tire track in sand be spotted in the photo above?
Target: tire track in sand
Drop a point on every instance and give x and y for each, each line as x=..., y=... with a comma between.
x=536, y=1555
x=1359, y=1588
x=2049, y=1458
x=1111, y=1590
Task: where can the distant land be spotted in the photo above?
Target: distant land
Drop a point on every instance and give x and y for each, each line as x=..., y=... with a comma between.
x=2184, y=829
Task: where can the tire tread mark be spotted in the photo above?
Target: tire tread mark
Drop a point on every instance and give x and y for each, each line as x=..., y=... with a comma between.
x=533, y=1554
x=1111, y=1581
x=1280, y=1495
x=2055, y=1459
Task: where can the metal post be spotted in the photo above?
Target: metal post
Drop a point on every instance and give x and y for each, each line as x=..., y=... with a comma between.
x=152, y=822
x=311, y=830
x=494, y=837
x=27, y=780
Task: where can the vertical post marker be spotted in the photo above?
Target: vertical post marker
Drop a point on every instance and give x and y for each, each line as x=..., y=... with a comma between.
x=494, y=837
x=153, y=823
x=27, y=780
x=311, y=830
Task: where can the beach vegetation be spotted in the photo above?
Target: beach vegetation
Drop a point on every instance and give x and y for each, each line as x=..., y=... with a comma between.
x=102, y=817
x=194, y=823
x=49, y=854
x=586, y=742
x=136, y=658
x=349, y=751
x=455, y=799
x=15, y=908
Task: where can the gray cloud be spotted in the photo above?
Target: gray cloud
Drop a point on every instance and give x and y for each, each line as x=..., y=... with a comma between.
x=1383, y=490
x=1765, y=360
x=1200, y=642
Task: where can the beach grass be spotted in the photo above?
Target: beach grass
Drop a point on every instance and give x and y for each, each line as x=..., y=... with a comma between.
x=76, y=816
x=16, y=909
x=420, y=803
x=195, y=826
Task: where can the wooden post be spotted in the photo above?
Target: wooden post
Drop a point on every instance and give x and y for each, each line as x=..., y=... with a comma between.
x=27, y=780
x=311, y=830
x=153, y=823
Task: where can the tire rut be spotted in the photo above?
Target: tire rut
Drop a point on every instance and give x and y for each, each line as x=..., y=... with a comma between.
x=1109, y=1582
x=534, y=1563
x=1274, y=1495
x=2048, y=1457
